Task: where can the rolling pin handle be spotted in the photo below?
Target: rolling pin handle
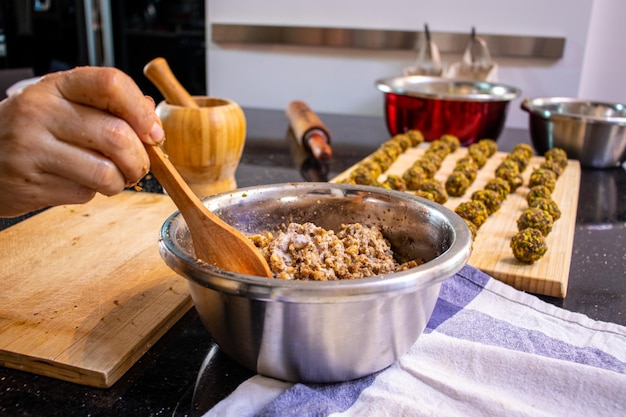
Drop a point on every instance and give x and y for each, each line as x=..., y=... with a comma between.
x=309, y=130
x=317, y=143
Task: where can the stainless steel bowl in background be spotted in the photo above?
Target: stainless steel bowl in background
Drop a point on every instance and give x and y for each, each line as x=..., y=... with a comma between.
x=592, y=132
x=470, y=110
x=322, y=331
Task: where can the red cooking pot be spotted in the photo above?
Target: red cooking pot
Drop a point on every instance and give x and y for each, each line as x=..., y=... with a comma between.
x=470, y=110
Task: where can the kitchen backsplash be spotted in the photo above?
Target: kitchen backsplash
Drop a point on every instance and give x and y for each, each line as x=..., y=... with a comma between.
x=341, y=80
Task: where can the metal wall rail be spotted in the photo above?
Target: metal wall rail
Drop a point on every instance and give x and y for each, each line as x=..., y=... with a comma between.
x=541, y=47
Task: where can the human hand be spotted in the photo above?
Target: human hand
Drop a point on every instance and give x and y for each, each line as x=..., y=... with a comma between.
x=72, y=134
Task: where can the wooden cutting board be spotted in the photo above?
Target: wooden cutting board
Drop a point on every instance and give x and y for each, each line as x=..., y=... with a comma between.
x=491, y=252
x=85, y=292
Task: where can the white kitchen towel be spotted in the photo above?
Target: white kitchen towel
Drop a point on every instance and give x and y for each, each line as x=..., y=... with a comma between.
x=488, y=350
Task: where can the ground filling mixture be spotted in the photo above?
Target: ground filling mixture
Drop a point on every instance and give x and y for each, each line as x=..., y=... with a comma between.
x=308, y=252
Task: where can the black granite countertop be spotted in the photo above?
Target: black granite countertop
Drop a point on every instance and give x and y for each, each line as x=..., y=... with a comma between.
x=184, y=373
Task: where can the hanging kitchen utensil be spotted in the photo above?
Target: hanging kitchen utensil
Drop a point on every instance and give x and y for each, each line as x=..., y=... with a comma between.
x=428, y=59
x=476, y=63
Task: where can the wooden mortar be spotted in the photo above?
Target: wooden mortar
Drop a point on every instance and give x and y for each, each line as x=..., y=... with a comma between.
x=205, y=143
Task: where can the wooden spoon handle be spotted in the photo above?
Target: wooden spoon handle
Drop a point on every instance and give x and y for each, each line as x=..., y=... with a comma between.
x=169, y=178
x=159, y=72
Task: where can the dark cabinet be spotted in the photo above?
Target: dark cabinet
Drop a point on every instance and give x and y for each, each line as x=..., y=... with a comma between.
x=53, y=35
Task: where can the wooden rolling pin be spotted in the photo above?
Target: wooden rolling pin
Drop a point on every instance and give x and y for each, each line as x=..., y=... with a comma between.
x=159, y=72
x=309, y=130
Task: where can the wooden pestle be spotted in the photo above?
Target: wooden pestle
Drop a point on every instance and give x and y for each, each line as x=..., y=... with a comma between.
x=159, y=72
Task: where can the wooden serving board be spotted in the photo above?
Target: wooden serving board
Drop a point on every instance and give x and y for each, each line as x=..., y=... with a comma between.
x=85, y=292
x=491, y=251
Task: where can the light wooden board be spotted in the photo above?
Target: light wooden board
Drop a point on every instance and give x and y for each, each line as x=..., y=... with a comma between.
x=491, y=251
x=85, y=292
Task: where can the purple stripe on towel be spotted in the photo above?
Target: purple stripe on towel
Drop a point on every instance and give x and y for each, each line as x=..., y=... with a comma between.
x=456, y=292
x=462, y=288
x=317, y=399
x=482, y=328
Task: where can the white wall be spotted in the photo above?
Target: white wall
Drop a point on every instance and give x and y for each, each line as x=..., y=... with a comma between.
x=342, y=80
x=604, y=69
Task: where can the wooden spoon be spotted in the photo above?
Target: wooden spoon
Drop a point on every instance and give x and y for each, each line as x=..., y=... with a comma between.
x=214, y=241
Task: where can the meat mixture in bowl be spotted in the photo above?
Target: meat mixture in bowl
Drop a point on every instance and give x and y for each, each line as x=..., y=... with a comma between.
x=308, y=252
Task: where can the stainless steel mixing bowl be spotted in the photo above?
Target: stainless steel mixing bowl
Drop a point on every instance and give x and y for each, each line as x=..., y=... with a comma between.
x=592, y=132
x=322, y=331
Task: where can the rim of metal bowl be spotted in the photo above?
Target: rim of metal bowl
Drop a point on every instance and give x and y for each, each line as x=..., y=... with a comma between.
x=555, y=108
x=443, y=266
x=447, y=89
